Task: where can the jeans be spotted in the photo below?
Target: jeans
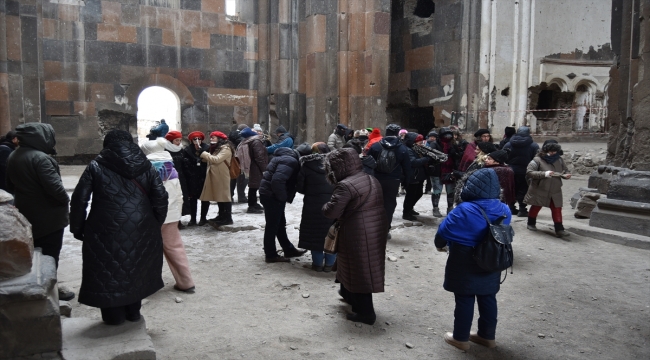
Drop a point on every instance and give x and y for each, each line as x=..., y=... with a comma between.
x=275, y=226
x=464, y=314
x=318, y=257
x=413, y=194
x=389, y=188
x=51, y=244
x=436, y=190
x=117, y=315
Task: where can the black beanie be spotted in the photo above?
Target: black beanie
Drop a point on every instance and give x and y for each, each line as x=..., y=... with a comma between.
x=486, y=147
x=480, y=132
x=392, y=129
x=116, y=136
x=500, y=156
x=280, y=130
x=510, y=131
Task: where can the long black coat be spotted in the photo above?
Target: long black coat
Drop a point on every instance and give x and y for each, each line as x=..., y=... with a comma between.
x=313, y=184
x=194, y=175
x=522, y=150
x=122, y=243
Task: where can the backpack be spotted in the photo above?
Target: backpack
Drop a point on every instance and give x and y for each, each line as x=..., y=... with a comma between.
x=235, y=169
x=387, y=161
x=494, y=253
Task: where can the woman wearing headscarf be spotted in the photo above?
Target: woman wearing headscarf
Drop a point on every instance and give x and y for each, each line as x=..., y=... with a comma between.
x=174, y=147
x=122, y=247
x=546, y=172
x=195, y=171
x=172, y=243
x=482, y=150
x=358, y=204
x=479, y=193
x=313, y=225
x=217, y=182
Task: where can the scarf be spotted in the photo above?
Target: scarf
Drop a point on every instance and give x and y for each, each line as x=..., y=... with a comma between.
x=551, y=159
x=169, y=146
x=162, y=162
x=243, y=154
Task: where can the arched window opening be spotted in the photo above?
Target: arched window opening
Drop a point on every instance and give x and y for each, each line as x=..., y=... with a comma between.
x=231, y=8
x=157, y=103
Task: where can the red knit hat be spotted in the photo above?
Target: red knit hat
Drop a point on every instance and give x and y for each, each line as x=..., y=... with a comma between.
x=195, y=134
x=219, y=134
x=172, y=135
x=419, y=138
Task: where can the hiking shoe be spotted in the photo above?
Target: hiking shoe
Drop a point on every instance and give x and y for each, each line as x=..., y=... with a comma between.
x=436, y=212
x=277, y=259
x=316, y=268
x=327, y=268
x=531, y=227
x=413, y=212
x=205, y=221
x=522, y=213
x=473, y=337
x=408, y=216
x=254, y=210
x=65, y=294
x=358, y=318
x=294, y=253
x=449, y=339
x=192, y=222
x=258, y=206
x=562, y=234
x=242, y=199
x=181, y=226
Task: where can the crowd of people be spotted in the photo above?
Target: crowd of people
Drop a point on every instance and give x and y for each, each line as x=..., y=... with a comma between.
x=140, y=192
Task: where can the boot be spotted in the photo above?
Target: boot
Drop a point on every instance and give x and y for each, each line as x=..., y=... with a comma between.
x=192, y=204
x=522, y=211
x=560, y=232
x=436, y=212
x=531, y=224
x=205, y=206
x=226, y=215
x=513, y=209
x=450, y=207
x=408, y=215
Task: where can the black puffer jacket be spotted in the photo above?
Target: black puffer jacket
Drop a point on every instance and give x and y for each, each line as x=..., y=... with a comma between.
x=122, y=244
x=403, y=169
x=418, y=163
x=522, y=150
x=34, y=178
x=6, y=148
x=281, y=175
x=194, y=175
x=313, y=183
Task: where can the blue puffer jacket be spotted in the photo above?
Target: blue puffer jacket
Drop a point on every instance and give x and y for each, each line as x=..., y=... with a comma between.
x=462, y=274
x=284, y=141
x=279, y=179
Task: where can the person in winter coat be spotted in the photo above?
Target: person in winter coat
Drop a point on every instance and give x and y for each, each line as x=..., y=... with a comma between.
x=7, y=146
x=522, y=149
x=175, y=148
x=393, y=168
x=253, y=159
x=122, y=248
x=496, y=161
x=195, y=171
x=313, y=224
x=448, y=172
x=508, y=133
x=217, y=181
x=241, y=181
x=479, y=192
x=173, y=247
x=357, y=203
x=278, y=188
x=373, y=137
x=546, y=172
x=33, y=177
x=469, y=155
x=482, y=149
x=284, y=140
x=433, y=172
x=336, y=140
x=418, y=169
x=368, y=162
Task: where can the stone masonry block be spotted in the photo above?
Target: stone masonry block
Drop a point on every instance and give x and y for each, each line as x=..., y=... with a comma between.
x=16, y=243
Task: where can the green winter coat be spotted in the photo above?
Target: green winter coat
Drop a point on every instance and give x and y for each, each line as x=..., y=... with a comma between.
x=543, y=189
x=34, y=178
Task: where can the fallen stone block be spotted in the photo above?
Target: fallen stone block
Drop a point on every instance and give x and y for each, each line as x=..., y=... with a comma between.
x=65, y=308
x=85, y=338
x=16, y=243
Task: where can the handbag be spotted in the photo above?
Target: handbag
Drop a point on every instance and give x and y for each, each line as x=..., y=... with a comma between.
x=495, y=253
x=234, y=167
x=332, y=238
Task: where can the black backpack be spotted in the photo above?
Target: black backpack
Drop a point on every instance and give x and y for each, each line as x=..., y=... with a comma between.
x=494, y=253
x=387, y=161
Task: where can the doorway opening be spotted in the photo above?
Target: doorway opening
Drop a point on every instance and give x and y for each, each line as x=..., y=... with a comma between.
x=157, y=103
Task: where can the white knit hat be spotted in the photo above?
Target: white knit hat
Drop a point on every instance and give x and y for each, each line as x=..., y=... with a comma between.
x=257, y=127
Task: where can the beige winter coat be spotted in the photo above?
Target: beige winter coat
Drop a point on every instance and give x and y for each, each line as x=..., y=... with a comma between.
x=217, y=180
x=543, y=189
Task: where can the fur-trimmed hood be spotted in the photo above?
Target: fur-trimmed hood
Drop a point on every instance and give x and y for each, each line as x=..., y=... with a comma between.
x=342, y=163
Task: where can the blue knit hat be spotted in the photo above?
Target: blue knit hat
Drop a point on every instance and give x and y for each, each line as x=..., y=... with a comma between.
x=247, y=132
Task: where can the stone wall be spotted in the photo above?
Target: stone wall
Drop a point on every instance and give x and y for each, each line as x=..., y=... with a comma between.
x=629, y=90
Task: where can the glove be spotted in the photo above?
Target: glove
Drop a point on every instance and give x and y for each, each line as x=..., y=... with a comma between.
x=79, y=236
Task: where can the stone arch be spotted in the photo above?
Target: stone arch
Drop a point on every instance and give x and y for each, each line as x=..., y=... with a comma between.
x=176, y=86
x=590, y=82
x=560, y=80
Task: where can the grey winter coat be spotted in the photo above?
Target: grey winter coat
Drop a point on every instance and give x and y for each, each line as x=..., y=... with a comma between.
x=335, y=141
x=543, y=189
